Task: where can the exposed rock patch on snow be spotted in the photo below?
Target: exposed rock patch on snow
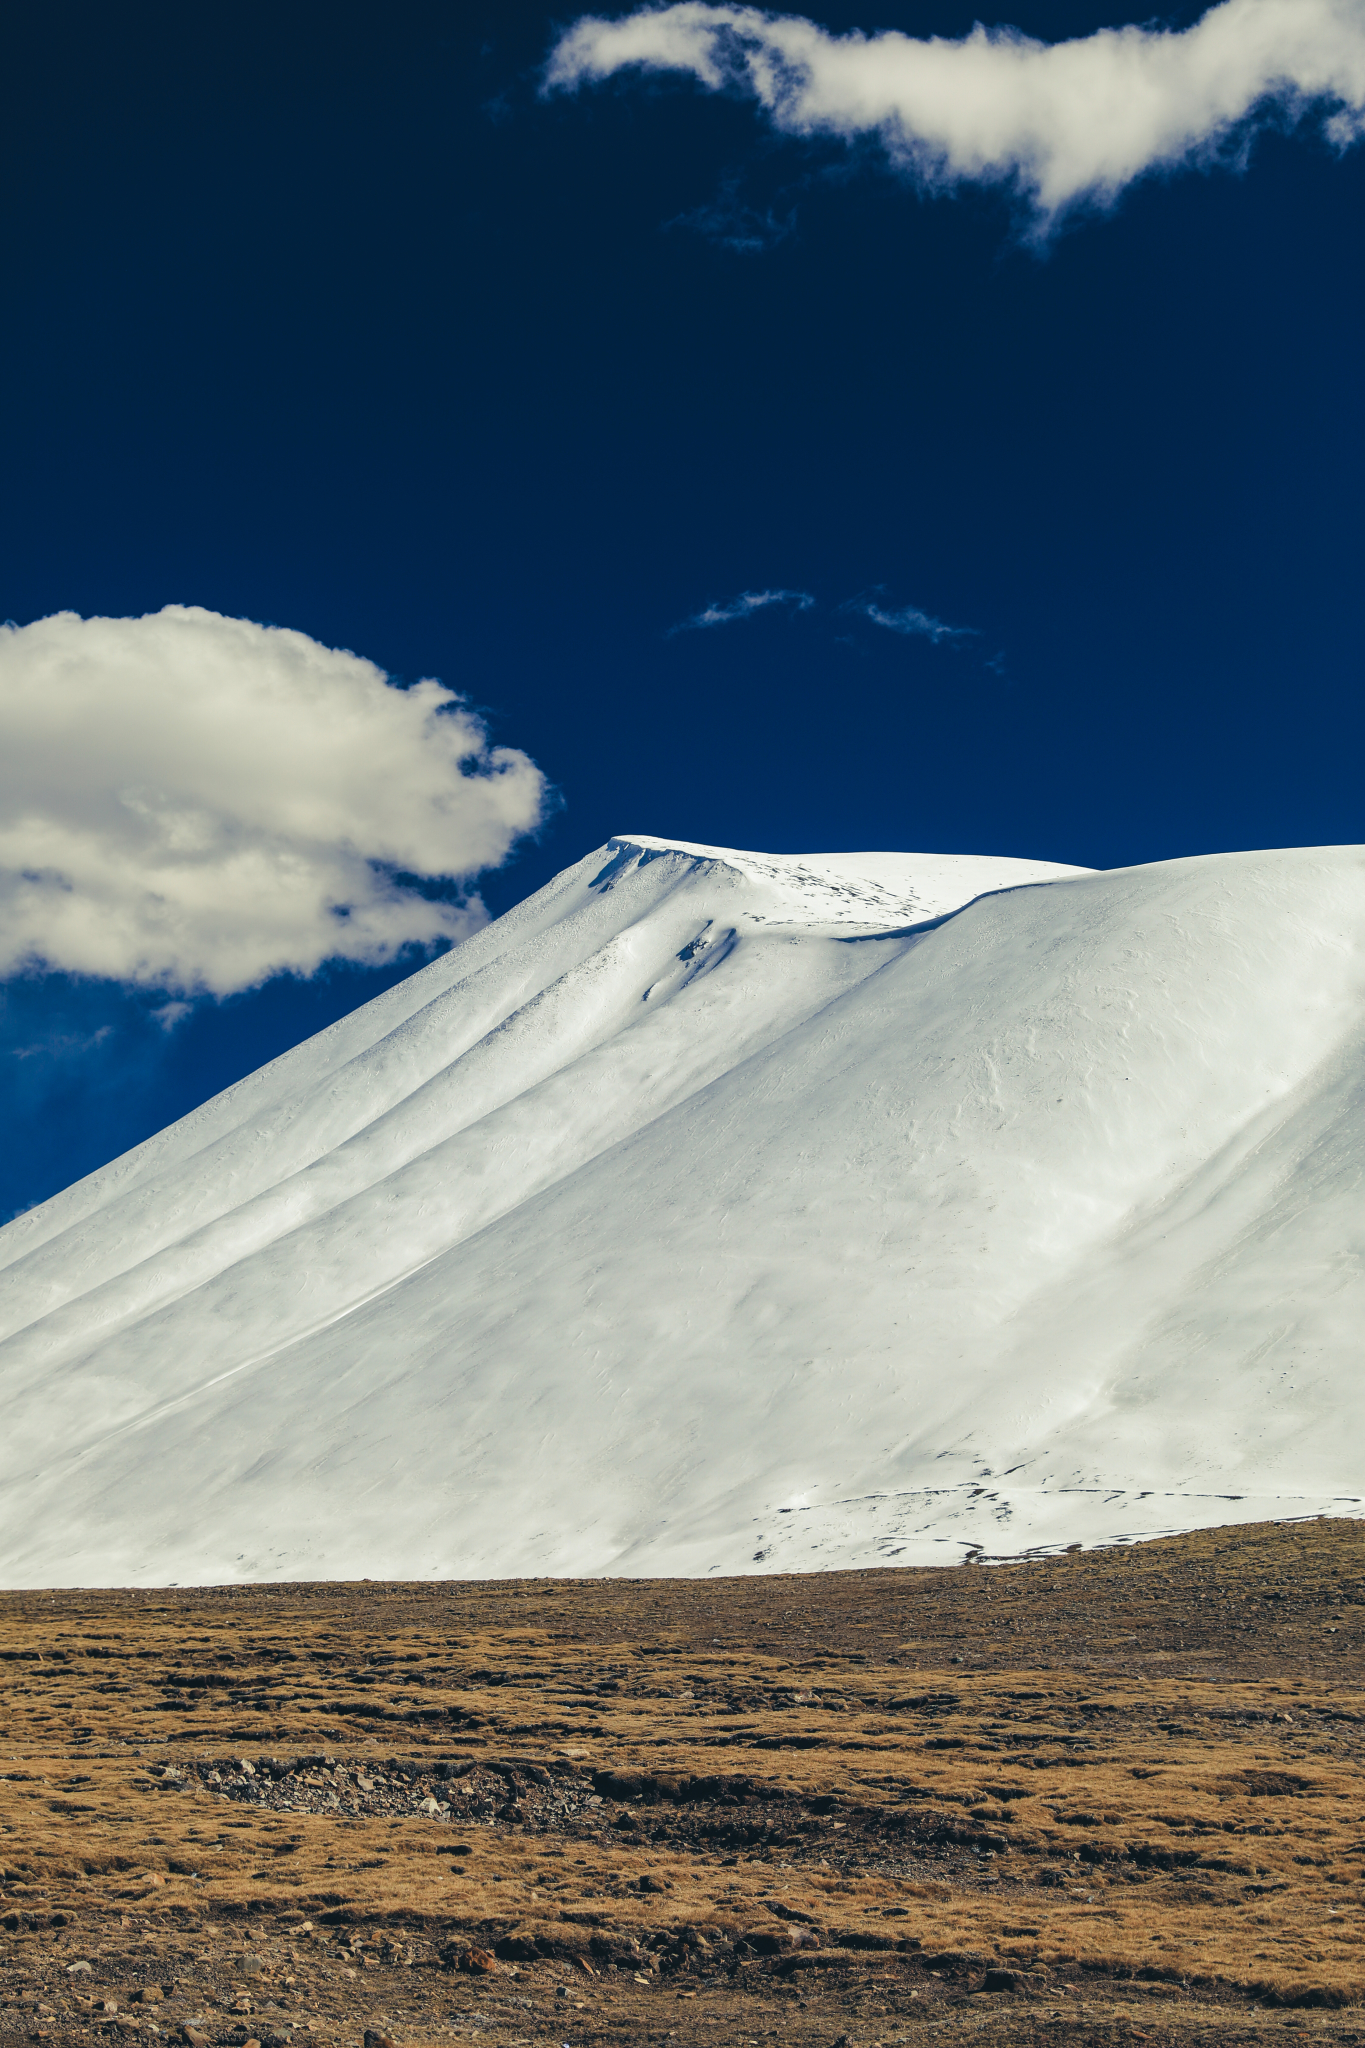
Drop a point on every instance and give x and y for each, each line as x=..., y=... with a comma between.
x=715, y=1211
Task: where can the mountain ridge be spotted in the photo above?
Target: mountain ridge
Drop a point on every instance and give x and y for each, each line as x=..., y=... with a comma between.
x=849, y=1228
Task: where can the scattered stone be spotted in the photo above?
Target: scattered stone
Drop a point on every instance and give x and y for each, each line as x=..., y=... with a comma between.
x=476, y=1962
x=765, y=1942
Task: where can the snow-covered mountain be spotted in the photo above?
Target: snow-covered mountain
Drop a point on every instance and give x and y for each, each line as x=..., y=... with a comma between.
x=714, y=1212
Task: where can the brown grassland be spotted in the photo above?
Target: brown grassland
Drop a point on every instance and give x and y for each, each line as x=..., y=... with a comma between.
x=1111, y=1796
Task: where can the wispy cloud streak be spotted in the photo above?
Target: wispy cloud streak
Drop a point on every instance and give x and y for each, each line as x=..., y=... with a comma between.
x=911, y=621
x=1062, y=123
x=743, y=607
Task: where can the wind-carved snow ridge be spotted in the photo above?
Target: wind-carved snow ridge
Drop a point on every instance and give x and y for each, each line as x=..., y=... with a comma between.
x=871, y=891
x=665, y=1226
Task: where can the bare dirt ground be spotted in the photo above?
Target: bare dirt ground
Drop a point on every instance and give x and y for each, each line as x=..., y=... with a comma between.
x=1103, y=1798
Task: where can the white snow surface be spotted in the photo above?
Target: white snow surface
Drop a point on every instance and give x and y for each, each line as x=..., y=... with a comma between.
x=718, y=1212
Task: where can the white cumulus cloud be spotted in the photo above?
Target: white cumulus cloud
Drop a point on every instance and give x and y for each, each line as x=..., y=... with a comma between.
x=1061, y=122
x=742, y=607
x=197, y=802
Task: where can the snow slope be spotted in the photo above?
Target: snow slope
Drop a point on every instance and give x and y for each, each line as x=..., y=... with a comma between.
x=715, y=1211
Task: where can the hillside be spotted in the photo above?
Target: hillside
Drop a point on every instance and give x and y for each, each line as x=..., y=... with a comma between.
x=717, y=1212
x=1079, y=1800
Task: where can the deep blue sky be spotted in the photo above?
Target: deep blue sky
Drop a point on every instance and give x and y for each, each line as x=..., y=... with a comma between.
x=319, y=316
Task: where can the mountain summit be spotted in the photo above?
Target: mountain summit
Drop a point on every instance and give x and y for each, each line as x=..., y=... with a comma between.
x=715, y=1211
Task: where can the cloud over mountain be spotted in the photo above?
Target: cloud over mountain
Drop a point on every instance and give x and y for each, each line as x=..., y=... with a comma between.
x=1062, y=122
x=198, y=802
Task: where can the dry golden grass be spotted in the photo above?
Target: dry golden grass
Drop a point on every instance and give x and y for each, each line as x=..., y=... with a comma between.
x=1130, y=1775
